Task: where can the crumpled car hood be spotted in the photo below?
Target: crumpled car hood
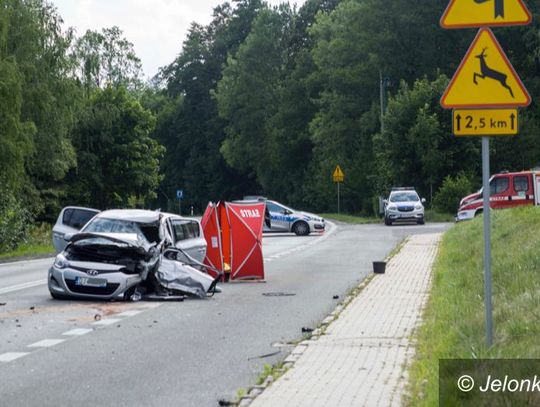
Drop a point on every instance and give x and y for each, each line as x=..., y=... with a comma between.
x=124, y=249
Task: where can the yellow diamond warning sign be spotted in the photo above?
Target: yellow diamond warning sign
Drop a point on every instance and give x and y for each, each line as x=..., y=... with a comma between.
x=485, y=78
x=479, y=13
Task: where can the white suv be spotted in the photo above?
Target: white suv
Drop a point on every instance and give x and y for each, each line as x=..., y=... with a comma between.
x=404, y=204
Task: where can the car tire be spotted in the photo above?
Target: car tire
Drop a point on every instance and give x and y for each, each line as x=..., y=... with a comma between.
x=301, y=228
x=387, y=222
x=421, y=222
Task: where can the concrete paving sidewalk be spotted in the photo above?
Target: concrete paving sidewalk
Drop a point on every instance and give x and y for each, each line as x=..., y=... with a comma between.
x=361, y=359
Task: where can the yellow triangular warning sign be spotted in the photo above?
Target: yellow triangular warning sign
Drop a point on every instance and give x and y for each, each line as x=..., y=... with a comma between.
x=479, y=13
x=338, y=175
x=485, y=78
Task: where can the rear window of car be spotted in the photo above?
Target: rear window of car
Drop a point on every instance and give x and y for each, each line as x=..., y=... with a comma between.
x=77, y=218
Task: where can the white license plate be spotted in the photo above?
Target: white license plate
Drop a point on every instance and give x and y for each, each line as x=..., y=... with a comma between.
x=90, y=282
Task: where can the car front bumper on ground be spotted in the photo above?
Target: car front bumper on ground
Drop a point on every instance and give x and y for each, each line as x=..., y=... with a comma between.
x=317, y=226
x=396, y=215
x=69, y=282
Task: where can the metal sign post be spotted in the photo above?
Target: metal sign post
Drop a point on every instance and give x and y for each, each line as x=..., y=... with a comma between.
x=338, y=177
x=180, y=196
x=472, y=96
x=487, y=240
x=338, y=197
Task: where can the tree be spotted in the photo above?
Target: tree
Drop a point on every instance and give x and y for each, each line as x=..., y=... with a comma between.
x=118, y=161
x=417, y=147
x=106, y=58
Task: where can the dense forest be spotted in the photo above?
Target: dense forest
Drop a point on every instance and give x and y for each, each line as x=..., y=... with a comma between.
x=263, y=100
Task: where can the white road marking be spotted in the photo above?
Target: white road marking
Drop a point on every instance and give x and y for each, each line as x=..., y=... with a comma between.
x=108, y=321
x=77, y=332
x=313, y=242
x=46, y=343
x=8, y=357
x=130, y=313
x=22, y=286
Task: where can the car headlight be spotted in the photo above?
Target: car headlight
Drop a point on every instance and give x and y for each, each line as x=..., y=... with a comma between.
x=61, y=262
x=392, y=207
x=418, y=207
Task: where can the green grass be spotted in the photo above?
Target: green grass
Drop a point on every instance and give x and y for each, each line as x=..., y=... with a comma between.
x=454, y=321
x=434, y=216
x=39, y=243
x=351, y=218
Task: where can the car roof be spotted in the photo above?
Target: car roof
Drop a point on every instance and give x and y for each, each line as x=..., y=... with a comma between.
x=136, y=215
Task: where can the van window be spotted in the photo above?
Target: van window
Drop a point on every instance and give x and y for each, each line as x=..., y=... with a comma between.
x=498, y=185
x=185, y=229
x=77, y=218
x=521, y=183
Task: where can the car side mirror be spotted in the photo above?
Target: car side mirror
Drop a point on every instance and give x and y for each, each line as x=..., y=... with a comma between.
x=423, y=200
x=385, y=201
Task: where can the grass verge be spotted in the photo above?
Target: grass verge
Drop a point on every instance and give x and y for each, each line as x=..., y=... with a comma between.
x=351, y=218
x=433, y=216
x=454, y=324
x=39, y=243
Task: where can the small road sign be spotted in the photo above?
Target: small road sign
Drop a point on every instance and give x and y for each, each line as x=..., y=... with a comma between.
x=479, y=13
x=487, y=122
x=485, y=78
x=338, y=175
x=179, y=194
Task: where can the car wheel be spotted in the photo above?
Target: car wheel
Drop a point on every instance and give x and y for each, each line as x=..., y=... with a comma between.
x=421, y=222
x=387, y=222
x=301, y=228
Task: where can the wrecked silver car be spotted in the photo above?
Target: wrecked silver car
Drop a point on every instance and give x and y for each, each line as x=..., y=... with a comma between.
x=131, y=254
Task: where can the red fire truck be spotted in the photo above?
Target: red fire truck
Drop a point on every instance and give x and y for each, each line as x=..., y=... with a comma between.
x=507, y=190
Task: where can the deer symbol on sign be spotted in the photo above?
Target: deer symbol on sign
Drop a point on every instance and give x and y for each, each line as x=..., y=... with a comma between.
x=499, y=7
x=487, y=72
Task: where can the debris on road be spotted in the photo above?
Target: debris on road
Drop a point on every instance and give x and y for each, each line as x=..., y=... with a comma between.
x=307, y=330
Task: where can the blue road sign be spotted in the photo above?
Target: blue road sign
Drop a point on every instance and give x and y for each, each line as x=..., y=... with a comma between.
x=179, y=194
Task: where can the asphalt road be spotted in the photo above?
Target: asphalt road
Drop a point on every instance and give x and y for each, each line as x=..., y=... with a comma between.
x=191, y=353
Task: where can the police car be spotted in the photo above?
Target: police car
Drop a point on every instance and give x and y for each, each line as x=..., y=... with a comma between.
x=403, y=204
x=285, y=219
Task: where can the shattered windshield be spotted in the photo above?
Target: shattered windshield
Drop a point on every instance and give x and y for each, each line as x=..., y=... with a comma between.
x=117, y=227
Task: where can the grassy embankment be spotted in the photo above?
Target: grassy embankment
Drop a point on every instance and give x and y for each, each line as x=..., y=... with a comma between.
x=454, y=324
x=39, y=243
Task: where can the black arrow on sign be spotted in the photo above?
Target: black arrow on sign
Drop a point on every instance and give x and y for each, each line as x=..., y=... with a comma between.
x=458, y=122
x=499, y=7
x=512, y=119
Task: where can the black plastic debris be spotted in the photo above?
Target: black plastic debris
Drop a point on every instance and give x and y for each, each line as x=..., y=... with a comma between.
x=335, y=297
x=306, y=330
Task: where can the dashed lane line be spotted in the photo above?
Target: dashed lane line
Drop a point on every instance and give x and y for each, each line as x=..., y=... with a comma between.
x=22, y=286
x=107, y=321
x=77, y=332
x=46, y=343
x=10, y=356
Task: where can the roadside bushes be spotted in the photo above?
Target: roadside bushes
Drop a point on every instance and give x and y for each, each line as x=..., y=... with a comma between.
x=451, y=192
x=15, y=221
